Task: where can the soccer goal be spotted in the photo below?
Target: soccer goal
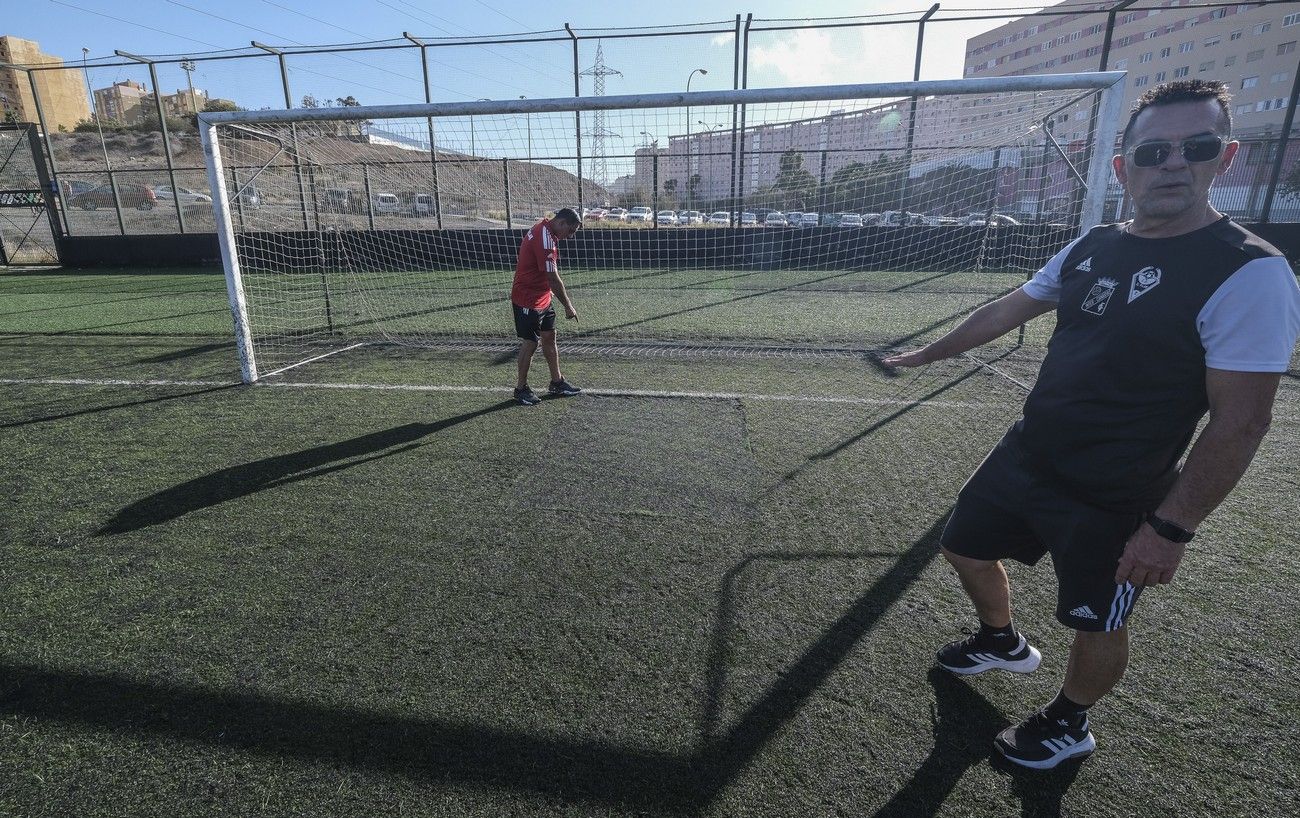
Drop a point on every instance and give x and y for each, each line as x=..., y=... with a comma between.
x=849, y=217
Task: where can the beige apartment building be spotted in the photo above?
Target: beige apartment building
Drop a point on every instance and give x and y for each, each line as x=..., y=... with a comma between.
x=63, y=95
x=126, y=102
x=184, y=102
x=1250, y=46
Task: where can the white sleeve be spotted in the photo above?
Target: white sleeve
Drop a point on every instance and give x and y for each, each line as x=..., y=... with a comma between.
x=1251, y=322
x=1046, y=283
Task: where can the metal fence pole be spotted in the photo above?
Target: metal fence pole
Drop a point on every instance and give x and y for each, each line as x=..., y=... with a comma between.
x=577, y=115
x=433, y=145
x=505, y=177
x=370, y=199
x=654, y=184
x=739, y=79
x=49, y=145
x=1283, y=140
x=905, y=188
x=162, y=127
x=293, y=129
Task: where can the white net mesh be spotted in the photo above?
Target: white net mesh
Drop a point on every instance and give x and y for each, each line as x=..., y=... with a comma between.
x=775, y=224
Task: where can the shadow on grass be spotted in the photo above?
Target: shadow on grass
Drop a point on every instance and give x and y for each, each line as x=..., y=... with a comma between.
x=247, y=478
x=114, y=406
x=571, y=770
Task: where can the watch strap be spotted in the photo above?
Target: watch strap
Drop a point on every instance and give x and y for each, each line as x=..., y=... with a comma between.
x=1170, y=531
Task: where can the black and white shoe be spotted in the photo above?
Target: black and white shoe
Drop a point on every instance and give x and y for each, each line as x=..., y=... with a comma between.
x=563, y=388
x=1041, y=742
x=976, y=654
x=526, y=397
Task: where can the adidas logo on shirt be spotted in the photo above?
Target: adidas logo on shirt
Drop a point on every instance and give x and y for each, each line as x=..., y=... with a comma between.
x=1085, y=266
x=1083, y=612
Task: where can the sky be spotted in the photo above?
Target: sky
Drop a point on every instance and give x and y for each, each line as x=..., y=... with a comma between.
x=777, y=58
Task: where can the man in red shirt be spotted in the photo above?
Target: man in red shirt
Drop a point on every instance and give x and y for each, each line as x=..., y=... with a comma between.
x=537, y=275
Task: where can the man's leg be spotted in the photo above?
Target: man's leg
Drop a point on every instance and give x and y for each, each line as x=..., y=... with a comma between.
x=986, y=584
x=526, y=350
x=552, y=352
x=1097, y=663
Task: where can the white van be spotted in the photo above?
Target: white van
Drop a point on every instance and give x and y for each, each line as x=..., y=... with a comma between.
x=386, y=203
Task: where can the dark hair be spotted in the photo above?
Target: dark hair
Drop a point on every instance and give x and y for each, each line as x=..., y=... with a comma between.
x=1168, y=93
x=567, y=214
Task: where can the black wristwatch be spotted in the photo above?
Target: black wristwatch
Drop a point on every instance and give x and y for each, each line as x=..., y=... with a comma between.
x=1168, y=530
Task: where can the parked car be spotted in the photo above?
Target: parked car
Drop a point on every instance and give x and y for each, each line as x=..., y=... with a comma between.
x=616, y=214
x=792, y=218
x=808, y=220
x=75, y=187
x=341, y=200
x=415, y=205
x=774, y=219
x=721, y=217
x=748, y=220
x=695, y=217
x=666, y=217
x=595, y=214
x=141, y=197
x=870, y=219
x=386, y=204
x=640, y=214
x=850, y=220
x=181, y=194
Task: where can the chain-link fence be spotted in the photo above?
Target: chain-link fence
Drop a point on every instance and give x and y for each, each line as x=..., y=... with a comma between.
x=134, y=164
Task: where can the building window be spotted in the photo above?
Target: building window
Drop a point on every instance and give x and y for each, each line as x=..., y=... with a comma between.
x=1291, y=20
x=1161, y=76
x=1164, y=52
x=1208, y=65
x=1183, y=48
x=1236, y=35
x=1145, y=57
x=1243, y=109
x=1229, y=61
x=1278, y=77
x=1249, y=82
x=1286, y=48
x=1255, y=55
x=1263, y=28
x=1141, y=81
x=1182, y=72
x=1120, y=65
x=1209, y=41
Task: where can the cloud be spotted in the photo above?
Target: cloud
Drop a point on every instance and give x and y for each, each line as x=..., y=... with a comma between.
x=812, y=57
x=804, y=58
x=723, y=39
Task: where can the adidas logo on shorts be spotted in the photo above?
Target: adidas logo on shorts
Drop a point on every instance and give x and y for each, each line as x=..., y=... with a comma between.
x=1083, y=612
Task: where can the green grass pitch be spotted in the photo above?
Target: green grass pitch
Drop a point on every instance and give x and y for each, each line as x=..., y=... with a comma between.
x=710, y=586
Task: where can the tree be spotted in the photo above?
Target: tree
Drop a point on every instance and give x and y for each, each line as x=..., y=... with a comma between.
x=347, y=102
x=693, y=186
x=1290, y=183
x=309, y=101
x=866, y=188
x=670, y=187
x=217, y=105
x=795, y=185
x=955, y=189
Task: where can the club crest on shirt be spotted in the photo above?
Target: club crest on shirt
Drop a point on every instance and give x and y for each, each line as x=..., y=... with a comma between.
x=1099, y=296
x=1143, y=280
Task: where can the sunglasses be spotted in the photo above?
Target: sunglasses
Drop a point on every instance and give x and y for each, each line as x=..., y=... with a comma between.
x=1204, y=148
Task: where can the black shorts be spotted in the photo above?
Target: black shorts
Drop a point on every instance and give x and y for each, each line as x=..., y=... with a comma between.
x=1007, y=511
x=530, y=323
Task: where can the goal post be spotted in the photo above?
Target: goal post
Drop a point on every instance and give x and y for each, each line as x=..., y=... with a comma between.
x=346, y=226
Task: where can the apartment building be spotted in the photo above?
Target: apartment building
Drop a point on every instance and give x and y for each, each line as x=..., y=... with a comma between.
x=63, y=94
x=1250, y=46
x=126, y=102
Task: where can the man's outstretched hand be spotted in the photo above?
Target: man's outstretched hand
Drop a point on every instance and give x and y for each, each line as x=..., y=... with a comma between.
x=1149, y=559
x=914, y=358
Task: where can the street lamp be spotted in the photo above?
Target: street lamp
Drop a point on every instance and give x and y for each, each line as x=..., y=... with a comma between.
x=689, y=77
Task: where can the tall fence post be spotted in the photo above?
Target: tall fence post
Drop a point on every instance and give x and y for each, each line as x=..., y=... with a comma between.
x=49, y=147
x=654, y=184
x=162, y=127
x=905, y=189
x=1283, y=141
x=370, y=198
x=505, y=177
x=433, y=145
x=739, y=79
x=577, y=115
x=293, y=129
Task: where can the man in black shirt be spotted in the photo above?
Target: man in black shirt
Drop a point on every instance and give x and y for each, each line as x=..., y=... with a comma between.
x=1176, y=313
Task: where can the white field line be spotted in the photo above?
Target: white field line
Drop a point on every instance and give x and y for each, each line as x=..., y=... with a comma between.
x=381, y=387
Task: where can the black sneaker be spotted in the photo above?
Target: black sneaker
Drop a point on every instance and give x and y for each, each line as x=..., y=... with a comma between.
x=1041, y=742
x=562, y=387
x=976, y=654
x=526, y=397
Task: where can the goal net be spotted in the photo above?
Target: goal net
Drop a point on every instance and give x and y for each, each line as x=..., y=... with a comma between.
x=852, y=217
